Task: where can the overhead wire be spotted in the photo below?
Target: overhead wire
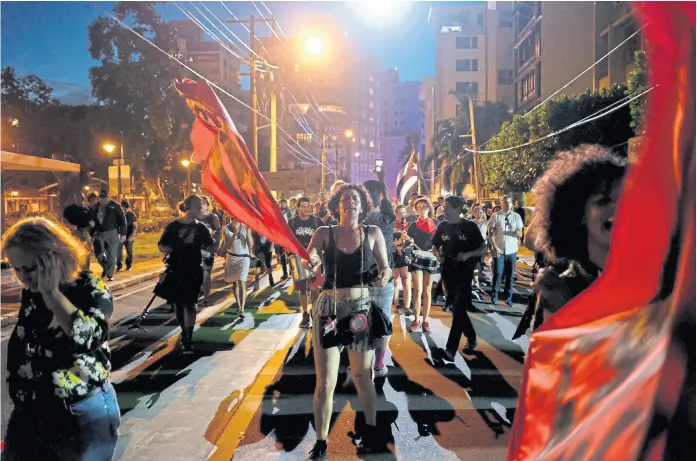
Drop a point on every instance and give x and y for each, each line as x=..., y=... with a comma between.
x=213, y=84
x=191, y=16
x=574, y=79
x=203, y=4
x=215, y=37
x=267, y=24
x=589, y=118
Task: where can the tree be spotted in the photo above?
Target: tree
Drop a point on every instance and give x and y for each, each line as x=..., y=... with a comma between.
x=410, y=143
x=135, y=82
x=517, y=170
x=637, y=82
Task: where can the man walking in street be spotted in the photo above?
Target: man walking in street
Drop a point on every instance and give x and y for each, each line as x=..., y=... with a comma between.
x=131, y=228
x=111, y=229
x=303, y=226
x=505, y=230
x=77, y=217
x=383, y=217
x=281, y=252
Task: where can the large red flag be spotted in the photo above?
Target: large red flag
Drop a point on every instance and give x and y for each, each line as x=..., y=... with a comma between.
x=603, y=375
x=229, y=171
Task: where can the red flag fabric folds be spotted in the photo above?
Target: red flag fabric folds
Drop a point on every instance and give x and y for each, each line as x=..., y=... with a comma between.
x=603, y=370
x=229, y=171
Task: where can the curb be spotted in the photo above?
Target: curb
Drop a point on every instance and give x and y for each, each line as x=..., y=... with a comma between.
x=11, y=317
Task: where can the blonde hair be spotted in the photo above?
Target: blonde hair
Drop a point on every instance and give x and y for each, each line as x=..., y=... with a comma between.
x=39, y=236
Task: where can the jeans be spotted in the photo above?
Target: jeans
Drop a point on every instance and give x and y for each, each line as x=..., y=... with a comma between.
x=504, y=267
x=106, y=246
x=84, y=431
x=128, y=244
x=383, y=297
x=458, y=283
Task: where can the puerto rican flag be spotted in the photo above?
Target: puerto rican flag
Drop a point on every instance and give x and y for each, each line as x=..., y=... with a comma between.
x=408, y=178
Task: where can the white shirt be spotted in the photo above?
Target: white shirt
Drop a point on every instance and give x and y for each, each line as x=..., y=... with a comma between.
x=505, y=221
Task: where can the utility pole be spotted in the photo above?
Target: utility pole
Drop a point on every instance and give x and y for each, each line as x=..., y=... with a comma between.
x=475, y=154
x=272, y=143
x=253, y=91
x=323, y=160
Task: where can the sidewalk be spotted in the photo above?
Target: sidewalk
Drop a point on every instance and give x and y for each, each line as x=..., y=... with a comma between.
x=141, y=272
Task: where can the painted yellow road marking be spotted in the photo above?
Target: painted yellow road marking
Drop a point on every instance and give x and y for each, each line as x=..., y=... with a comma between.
x=235, y=430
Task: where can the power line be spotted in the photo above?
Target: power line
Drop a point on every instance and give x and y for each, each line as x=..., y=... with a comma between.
x=590, y=118
x=267, y=24
x=574, y=79
x=203, y=4
x=579, y=75
x=306, y=125
x=213, y=84
x=196, y=21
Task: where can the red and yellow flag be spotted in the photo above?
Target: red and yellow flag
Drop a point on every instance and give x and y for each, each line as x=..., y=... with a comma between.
x=604, y=375
x=229, y=171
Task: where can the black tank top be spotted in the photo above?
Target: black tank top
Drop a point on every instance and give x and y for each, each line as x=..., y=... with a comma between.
x=348, y=266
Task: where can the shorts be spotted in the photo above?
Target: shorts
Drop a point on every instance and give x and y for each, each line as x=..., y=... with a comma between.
x=304, y=285
x=207, y=260
x=383, y=297
x=419, y=269
x=324, y=306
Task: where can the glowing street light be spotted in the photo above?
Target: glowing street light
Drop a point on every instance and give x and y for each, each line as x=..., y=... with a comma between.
x=313, y=46
x=348, y=133
x=109, y=148
x=186, y=164
x=357, y=154
x=15, y=193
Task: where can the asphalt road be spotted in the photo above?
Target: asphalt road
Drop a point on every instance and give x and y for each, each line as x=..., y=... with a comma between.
x=246, y=394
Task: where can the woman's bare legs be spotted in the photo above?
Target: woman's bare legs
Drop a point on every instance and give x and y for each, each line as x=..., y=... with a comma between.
x=327, y=371
x=361, y=372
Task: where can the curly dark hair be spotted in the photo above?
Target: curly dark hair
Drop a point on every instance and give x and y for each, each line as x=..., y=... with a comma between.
x=561, y=194
x=366, y=202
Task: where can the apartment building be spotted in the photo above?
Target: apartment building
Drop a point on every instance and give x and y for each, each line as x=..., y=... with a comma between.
x=553, y=45
x=614, y=24
x=474, y=53
x=402, y=114
x=207, y=57
x=330, y=84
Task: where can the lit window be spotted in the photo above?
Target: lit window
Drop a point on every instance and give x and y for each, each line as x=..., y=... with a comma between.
x=371, y=144
x=370, y=90
x=370, y=104
x=303, y=138
x=450, y=28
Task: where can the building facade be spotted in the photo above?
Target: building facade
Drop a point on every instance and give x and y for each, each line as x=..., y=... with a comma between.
x=553, y=45
x=474, y=53
x=207, y=57
x=402, y=115
x=330, y=86
x=614, y=24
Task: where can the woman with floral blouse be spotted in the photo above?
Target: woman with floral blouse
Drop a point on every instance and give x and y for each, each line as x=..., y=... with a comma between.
x=57, y=357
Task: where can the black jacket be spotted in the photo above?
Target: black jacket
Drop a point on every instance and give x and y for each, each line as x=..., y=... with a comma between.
x=114, y=218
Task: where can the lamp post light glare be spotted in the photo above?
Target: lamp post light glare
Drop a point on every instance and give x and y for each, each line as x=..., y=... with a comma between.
x=357, y=154
x=348, y=133
x=109, y=148
x=186, y=163
x=313, y=46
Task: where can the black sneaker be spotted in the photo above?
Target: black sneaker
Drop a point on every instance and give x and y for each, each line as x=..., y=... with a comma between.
x=306, y=321
x=103, y=274
x=372, y=442
x=319, y=451
x=110, y=279
x=188, y=348
x=471, y=345
x=128, y=268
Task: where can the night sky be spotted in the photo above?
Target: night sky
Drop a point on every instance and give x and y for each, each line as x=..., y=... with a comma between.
x=49, y=39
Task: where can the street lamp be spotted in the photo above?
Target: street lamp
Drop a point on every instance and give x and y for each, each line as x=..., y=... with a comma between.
x=313, y=46
x=110, y=148
x=186, y=164
x=348, y=134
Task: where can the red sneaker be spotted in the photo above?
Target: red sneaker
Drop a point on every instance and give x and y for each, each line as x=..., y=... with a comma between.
x=414, y=326
x=426, y=327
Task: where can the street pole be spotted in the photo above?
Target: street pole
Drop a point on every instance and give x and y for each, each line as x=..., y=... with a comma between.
x=475, y=154
x=336, y=162
x=273, y=146
x=253, y=91
x=323, y=160
x=119, y=167
x=188, y=180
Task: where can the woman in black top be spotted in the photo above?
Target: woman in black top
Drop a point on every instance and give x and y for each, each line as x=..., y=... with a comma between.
x=459, y=244
x=421, y=231
x=182, y=241
x=347, y=252
x=57, y=356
